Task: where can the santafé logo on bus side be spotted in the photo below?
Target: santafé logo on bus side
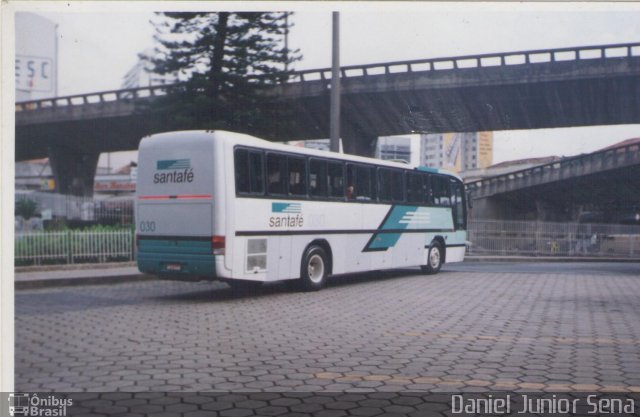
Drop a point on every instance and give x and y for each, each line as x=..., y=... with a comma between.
x=180, y=171
x=285, y=215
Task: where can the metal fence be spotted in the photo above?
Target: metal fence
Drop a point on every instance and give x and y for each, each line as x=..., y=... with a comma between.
x=531, y=238
x=487, y=237
x=73, y=246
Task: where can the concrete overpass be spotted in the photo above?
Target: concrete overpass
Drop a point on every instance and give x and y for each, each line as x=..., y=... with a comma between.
x=582, y=86
x=606, y=181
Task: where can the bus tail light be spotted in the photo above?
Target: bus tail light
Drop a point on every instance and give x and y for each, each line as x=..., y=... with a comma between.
x=217, y=244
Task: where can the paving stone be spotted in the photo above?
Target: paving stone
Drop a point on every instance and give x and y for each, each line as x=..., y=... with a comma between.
x=238, y=412
x=402, y=333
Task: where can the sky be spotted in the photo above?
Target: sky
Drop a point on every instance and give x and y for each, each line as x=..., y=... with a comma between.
x=99, y=43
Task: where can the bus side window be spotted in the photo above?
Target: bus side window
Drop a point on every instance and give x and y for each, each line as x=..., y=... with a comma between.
x=351, y=182
x=415, y=188
x=361, y=181
x=256, y=172
x=276, y=174
x=336, y=179
x=384, y=184
x=373, y=183
x=297, y=176
x=457, y=201
x=397, y=186
x=317, y=178
x=241, y=162
x=428, y=189
x=440, y=189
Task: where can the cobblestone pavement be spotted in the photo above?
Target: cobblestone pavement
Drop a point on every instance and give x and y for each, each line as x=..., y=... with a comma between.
x=381, y=332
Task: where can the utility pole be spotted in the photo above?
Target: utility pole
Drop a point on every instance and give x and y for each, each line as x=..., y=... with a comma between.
x=335, y=86
x=286, y=42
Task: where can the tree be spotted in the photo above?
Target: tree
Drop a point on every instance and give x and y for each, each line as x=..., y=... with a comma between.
x=26, y=209
x=223, y=58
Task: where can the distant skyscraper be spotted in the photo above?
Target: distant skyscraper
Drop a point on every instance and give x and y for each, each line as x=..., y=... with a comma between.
x=457, y=152
x=319, y=144
x=141, y=74
x=394, y=148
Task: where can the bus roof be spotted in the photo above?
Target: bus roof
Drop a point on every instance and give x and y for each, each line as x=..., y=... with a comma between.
x=248, y=140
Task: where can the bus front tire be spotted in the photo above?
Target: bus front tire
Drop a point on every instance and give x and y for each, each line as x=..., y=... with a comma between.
x=314, y=269
x=434, y=259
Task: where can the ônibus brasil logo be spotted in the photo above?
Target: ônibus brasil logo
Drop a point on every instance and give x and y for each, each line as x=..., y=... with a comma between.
x=23, y=404
x=181, y=171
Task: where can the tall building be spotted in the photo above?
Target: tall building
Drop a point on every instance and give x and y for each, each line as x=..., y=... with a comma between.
x=457, y=152
x=142, y=75
x=36, y=59
x=318, y=144
x=394, y=148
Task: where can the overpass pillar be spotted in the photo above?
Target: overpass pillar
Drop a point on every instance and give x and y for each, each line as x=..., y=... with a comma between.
x=486, y=208
x=361, y=145
x=555, y=211
x=73, y=170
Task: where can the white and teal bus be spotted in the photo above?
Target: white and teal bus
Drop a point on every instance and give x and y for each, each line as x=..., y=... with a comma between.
x=227, y=206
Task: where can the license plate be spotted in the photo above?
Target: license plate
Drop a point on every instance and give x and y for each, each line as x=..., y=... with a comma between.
x=174, y=267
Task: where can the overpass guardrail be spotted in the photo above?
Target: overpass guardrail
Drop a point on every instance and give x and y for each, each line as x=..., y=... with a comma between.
x=567, y=167
x=410, y=66
x=478, y=61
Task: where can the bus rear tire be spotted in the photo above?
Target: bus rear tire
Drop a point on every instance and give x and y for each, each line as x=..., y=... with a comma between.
x=314, y=269
x=434, y=259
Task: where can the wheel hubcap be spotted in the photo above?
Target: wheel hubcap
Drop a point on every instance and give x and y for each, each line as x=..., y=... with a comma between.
x=434, y=257
x=315, y=268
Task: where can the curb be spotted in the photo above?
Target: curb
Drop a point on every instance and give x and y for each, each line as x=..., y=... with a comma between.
x=37, y=283
x=70, y=282
x=471, y=258
x=72, y=267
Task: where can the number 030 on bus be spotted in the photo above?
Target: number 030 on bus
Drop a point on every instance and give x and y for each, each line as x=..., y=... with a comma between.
x=227, y=206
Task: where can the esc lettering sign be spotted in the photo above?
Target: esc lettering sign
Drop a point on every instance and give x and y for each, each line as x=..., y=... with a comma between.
x=34, y=73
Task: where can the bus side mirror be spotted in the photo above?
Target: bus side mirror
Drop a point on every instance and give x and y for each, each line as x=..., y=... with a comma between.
x=469, y=201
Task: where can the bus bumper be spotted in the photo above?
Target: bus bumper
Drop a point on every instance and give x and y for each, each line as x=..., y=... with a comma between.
x=179, y=266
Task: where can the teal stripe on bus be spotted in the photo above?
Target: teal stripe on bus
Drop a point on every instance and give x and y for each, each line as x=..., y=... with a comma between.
x=392, y=221
x=174, y=246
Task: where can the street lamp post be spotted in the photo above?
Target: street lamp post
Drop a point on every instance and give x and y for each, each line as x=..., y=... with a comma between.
x=335, y=86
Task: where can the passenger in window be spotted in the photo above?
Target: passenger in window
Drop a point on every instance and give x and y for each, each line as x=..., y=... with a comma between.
x=296, y=188
x=350, y=192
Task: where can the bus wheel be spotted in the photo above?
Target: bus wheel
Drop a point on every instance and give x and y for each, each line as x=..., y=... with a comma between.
x=314, y=269
x=434, y=259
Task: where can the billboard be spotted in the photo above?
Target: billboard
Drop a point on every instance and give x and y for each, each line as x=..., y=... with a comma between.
x=485, y=149
x=452, y=143
x=457, y=152
x=36, y=57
